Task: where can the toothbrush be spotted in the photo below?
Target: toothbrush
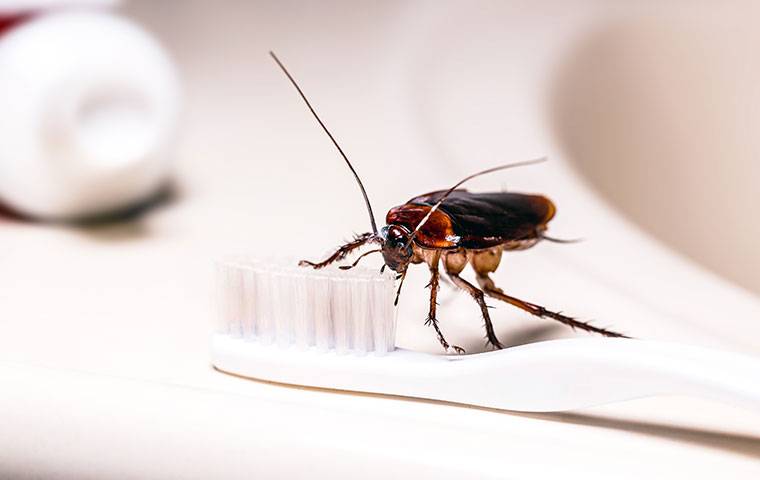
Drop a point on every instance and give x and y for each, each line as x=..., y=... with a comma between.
x=335, y=329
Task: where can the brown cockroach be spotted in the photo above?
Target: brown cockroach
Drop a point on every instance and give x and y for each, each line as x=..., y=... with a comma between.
x=455, y=227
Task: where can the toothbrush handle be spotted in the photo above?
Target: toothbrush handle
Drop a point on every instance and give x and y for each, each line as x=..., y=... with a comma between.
x=576, y=373
x=540, y=377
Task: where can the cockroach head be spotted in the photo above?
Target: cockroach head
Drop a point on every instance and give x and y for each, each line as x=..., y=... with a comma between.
x=396, y=248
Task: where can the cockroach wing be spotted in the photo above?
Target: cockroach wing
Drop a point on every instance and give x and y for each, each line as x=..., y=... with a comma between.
x=475, y=220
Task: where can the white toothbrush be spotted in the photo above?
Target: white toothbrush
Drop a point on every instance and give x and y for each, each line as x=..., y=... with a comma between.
x=334, y=329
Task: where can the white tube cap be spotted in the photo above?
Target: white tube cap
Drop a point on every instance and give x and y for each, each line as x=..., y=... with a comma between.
x=89, y=106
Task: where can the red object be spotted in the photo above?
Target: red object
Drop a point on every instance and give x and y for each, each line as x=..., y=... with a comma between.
x=6, y=23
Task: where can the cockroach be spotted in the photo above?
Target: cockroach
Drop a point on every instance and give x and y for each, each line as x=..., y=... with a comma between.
x=455, y=227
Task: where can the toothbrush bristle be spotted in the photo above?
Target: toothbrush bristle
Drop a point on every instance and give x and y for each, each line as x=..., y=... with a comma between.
x=282, y=303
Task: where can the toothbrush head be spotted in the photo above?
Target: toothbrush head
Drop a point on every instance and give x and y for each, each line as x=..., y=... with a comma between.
x=328, y=309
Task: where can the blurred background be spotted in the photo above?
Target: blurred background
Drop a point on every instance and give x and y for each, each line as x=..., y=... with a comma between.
x=140, y=141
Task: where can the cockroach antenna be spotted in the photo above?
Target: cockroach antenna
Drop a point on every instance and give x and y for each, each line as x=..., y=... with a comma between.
x=459, y=183
x=340, y=150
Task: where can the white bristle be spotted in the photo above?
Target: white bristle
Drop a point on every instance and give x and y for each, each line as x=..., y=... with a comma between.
x=327, y=309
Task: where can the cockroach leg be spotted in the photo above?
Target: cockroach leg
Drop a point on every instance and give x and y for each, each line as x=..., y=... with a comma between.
x=478, y=295
x=341, y=253
x=401, y=277
x=454, y=262
x=486, y=283
x=356, y=262
x=431, y=318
